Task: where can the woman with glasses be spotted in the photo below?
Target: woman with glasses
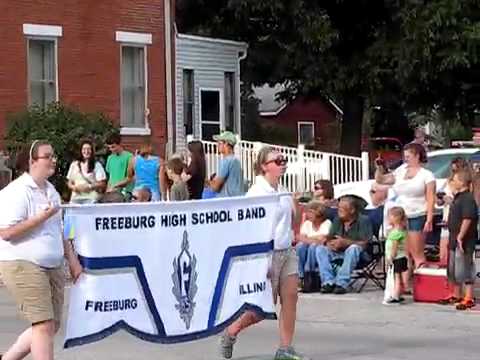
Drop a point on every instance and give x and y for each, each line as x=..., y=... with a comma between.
x=86, y=176
x=270, y=167
x=32, y=252
x=324, y=193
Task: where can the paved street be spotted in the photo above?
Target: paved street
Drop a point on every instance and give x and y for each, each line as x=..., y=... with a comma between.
x=354, y=326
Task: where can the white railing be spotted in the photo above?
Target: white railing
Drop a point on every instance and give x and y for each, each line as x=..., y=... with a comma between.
x=304, y=166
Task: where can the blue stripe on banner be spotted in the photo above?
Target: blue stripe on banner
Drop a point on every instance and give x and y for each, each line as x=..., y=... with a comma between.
x=230, y=253
x=121, y=325
x=128, y=262
x=135, y=262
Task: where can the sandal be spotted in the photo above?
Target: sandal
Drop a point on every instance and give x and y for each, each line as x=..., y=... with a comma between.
x=449, y=301
x=465, y=304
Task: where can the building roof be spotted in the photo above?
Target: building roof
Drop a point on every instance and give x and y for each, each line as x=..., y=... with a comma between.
x=240, y=44
x=270, y=106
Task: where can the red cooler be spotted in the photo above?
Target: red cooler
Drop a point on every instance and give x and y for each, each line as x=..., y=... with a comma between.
x=477, y=269
x=430, y=285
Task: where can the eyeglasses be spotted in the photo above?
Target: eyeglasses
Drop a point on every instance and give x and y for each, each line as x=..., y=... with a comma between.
x=317, y=187
x=48, y=157
x=278, y=161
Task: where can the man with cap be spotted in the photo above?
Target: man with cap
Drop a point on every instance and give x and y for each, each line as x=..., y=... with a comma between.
x=420, y=137
x=229, y=179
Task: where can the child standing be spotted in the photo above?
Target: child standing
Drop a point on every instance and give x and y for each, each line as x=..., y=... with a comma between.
x=395, y=252
x=462, y=224
x=179, y=189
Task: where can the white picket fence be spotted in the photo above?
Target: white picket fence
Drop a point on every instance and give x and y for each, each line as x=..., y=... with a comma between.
x=304, y=166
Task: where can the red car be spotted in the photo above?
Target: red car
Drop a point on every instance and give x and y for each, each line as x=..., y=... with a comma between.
x=387, y=148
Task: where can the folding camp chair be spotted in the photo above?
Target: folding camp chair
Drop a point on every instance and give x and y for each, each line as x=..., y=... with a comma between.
x=368, y=270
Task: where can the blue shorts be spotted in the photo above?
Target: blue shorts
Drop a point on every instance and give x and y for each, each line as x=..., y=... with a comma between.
x=417, y=223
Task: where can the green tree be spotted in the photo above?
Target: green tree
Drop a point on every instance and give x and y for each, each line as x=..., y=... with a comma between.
x=409, y=53
x=63, y=127
x=436, y=55
x=311, y=47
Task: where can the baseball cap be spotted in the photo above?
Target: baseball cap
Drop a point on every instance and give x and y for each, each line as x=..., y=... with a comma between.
x=227, y=137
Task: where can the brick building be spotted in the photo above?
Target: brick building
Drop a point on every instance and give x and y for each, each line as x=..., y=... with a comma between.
x=111, y=56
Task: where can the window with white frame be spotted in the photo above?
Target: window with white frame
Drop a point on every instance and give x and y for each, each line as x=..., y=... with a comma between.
x=42, y=71
x=133, y=86
x=306, y=133
x=42, y=67
x=230, y=101
x=188, y=100
x=211, y=113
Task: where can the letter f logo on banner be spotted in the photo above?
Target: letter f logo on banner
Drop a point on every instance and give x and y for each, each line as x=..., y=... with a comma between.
x=184, y=279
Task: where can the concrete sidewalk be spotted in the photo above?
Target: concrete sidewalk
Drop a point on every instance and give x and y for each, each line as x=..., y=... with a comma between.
x=353, y=326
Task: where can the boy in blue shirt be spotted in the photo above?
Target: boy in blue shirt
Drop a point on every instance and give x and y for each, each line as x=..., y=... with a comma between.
x=229, y=180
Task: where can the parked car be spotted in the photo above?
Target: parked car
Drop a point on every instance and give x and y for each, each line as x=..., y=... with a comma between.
x=438, y=162
x=387, y=148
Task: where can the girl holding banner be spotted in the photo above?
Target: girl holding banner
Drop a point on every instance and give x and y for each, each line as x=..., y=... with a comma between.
x=32, y=252
x=270, y=167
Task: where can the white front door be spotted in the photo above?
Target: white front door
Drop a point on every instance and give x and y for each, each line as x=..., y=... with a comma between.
x=212, y=113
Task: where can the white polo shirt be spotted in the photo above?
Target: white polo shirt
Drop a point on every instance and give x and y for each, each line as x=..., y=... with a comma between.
x=20, y=200
x=282, y=232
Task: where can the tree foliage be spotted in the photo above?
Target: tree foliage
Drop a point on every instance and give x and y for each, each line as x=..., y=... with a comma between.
x=409, y=52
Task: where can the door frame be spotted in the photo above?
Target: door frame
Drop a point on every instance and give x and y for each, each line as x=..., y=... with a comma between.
x=221, y=109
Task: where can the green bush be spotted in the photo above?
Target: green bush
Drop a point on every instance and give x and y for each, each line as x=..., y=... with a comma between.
x=63, y=127
x=457, y=131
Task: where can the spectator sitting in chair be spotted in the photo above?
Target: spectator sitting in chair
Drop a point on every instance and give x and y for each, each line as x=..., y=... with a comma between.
x=347, y=240
x=313, y=228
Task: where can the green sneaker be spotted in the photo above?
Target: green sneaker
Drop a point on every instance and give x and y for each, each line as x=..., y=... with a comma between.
x=226, y=345
x=288, y=353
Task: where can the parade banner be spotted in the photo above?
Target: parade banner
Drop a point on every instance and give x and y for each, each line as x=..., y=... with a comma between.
x=169, y=272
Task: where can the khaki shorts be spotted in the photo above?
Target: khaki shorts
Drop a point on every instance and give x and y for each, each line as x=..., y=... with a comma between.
x=37, y=291
x=284, y=264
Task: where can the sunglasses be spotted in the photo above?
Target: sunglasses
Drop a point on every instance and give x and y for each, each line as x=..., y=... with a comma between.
x=48, y=157
x=278, y=161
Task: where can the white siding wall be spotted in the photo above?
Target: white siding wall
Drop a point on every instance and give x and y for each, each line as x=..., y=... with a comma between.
x=209, y=59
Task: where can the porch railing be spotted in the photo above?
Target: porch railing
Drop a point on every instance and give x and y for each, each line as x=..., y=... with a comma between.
x=304, y=166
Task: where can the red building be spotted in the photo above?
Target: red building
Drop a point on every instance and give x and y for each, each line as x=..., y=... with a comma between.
x=109, y=56
x=312, y=122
